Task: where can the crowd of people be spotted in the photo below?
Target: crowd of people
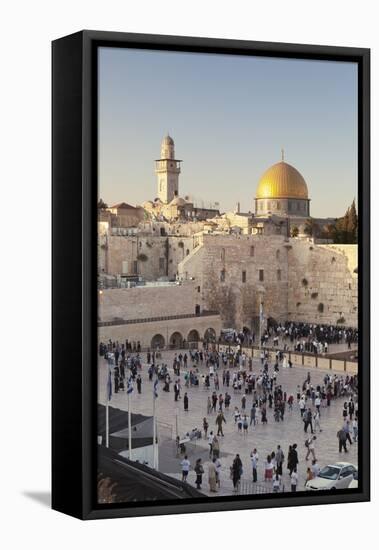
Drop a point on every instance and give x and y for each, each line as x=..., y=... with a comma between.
x=257, y=399
x=300, y=337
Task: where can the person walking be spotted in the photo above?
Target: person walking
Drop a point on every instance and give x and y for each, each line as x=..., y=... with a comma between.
x=219, y=420
x=215, y=447
x=307, y=417
x=199, y=470
x=276, y=483
x=346, y=427
x=252, y=415
x=254, y=464
x=209, y=405
x=315, y=468
x=236, y=472
x=218, y=472
x=212, y=477
x=341, y=435
x=279, y=457
x=210, y=443
x=316, y=421
x=269, y=467
x=294, y=481
x=309, y=476
x=245, y=425
x=205, y=427
x=185, y=402
x=293, y=459
x=185, y=463
x=310, y=444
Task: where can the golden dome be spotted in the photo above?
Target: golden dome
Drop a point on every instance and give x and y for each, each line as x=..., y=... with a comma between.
x=282, y=181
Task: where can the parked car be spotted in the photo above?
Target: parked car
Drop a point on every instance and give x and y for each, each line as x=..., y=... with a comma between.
x=354, y=482
x=333, y=476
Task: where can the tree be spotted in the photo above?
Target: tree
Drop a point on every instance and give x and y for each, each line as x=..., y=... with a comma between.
x=345, y=229
x=101, y=205
x=311, y=228
x=352, y=223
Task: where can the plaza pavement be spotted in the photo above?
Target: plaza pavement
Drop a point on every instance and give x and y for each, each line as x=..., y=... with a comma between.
x=263, y=437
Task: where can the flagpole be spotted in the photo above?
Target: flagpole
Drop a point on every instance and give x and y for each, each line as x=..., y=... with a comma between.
x=154, y=436
x=109, y=396
x=107, y=424
x=129, y=428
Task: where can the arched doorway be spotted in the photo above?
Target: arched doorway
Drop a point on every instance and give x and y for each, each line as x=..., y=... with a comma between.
x=176, y=340
x=193, y=336
x=210, y=335
x=157, y=342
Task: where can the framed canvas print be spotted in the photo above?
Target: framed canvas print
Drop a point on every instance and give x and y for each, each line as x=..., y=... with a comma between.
x=210, y=275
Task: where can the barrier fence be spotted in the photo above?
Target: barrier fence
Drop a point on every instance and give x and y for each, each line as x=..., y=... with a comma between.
x=309, y=360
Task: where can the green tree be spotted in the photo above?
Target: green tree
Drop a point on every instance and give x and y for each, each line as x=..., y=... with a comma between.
x=101, y=205
x=352, y=223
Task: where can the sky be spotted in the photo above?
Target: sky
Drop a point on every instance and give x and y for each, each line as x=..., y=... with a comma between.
x=229, y=116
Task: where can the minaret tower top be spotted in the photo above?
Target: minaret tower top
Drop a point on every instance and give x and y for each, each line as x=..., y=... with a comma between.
x=167, y=169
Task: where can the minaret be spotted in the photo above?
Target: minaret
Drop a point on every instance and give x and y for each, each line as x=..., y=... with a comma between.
x=167, y=169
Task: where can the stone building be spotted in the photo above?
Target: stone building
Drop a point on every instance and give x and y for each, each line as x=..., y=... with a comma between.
x=170, y=267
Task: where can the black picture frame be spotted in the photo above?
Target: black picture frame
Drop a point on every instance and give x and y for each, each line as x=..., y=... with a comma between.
x=74, y=294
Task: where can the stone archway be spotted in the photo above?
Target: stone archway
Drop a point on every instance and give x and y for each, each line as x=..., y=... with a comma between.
x=157, y=342
x=210, y=335
x=193, y=336
x=176, y=340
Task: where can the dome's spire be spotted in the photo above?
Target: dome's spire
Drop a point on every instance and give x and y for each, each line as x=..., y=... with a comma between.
x=282, y=150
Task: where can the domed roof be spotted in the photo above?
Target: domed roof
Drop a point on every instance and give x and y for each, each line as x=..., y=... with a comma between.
x=178, y=201
x=282, y=181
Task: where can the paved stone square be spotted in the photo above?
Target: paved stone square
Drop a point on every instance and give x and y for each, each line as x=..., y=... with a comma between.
x=172, y=419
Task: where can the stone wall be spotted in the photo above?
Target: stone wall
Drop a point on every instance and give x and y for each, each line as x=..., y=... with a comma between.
x=168, y=330
x=228, y=270
x=151, y=257
x=323, y=287
x=317, y=282
x=142, y=302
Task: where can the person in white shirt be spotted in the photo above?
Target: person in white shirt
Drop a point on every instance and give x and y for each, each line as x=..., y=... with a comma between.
x=294, y=481
x=316, y=421
x=276, y=483
x=315, y=468
x=254, y=463
x=302, y=405
x=218, y=471
x=185, y=463
x=311, y=447
x=318, y=402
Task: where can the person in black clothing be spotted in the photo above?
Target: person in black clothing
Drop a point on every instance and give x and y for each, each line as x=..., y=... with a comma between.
x=293, y=459
x=236, y=471
x=139, y=383
x=341, y=434
x=185, y=401
x=307, y=417
x=199, y=470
